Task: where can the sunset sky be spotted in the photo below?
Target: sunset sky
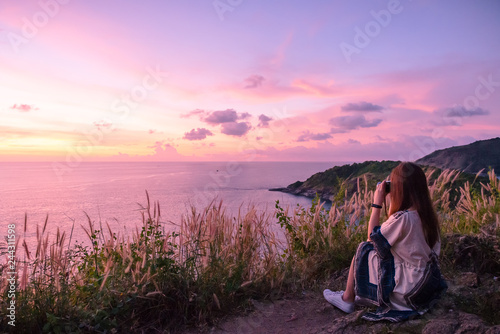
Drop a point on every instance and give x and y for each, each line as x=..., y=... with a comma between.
x=278, y=80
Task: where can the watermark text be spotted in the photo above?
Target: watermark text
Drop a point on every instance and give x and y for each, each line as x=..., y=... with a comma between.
x=11, y=274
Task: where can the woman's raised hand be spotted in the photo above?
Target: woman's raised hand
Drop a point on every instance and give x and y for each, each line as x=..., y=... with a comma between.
x=379, y=195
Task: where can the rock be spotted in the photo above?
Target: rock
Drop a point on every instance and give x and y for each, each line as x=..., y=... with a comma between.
x=441, y=326
x=342, y=323
x=457, y=323
x=470, y=323
x=493, y=330
x=467, y=279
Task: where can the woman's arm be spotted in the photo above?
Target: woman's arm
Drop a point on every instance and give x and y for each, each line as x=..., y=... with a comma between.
x=378, y=199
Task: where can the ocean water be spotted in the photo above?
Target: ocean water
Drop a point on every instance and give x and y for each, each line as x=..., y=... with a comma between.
x=111, y=192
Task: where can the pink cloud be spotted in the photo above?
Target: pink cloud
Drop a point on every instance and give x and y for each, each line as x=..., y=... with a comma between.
x=273, y=89
x=103, y=124
x=317, y=89
x=264, y=121
x=280, y=52
x=343, y=124
x=197, y=134
x=401, y=148
x=165, y=151
x=221, y=116
x=162, y=152
x=196, y=112
x=23, y=107
x=307, y=136
x=254, y=81
x=362, y=107
x=237, y=129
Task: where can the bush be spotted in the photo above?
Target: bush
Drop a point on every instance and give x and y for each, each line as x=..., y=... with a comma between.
x=216, y=263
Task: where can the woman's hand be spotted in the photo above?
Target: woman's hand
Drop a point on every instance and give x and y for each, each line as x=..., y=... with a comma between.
x=379, y=195
x=378, y=198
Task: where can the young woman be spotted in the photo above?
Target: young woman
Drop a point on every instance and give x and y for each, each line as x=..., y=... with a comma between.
x=397, y=268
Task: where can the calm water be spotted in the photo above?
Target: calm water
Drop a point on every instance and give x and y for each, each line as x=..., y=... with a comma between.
x=110, y=192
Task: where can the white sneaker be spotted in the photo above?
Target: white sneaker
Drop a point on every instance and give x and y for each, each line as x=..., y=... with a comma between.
x=335, y=298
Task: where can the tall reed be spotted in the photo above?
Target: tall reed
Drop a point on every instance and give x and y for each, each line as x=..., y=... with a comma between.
x=211, y=263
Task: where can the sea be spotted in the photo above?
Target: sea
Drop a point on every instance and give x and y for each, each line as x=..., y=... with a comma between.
x=112, y=193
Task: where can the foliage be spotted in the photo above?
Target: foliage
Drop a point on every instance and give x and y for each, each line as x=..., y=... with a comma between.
x=342, y=181
x=213, y=263
x=468, y=158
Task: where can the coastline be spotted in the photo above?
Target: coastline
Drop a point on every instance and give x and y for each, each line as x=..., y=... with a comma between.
x=217, y=264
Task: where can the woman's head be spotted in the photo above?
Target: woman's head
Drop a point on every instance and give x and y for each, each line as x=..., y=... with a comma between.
x=409, y=190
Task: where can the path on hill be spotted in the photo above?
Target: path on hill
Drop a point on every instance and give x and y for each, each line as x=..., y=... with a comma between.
x=309, y=313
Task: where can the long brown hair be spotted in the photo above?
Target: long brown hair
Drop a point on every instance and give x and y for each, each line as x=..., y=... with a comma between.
x=409, y=188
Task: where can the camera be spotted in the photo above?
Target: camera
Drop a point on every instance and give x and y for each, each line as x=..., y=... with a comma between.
x=387, y=186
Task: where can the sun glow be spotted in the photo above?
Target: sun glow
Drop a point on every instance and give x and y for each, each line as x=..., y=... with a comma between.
x=205, y=94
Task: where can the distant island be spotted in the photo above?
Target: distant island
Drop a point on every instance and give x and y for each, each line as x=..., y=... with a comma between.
x=336, y=181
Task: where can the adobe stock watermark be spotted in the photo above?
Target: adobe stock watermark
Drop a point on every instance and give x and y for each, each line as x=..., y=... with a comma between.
x=121, y=108
x=11, y=274
x=365, y=35
x=222, y=178
x=32, y=25
x=455, y=116
x=223, y=6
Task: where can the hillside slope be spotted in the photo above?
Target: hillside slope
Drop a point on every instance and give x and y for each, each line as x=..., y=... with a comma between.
x=328, y=183
x=470, y=158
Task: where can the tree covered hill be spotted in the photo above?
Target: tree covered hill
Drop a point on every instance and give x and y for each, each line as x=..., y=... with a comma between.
x=471, y=158
x=335, y=181
x=328, y=183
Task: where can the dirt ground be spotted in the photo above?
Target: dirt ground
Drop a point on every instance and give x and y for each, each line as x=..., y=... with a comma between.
x=299, y=314
x=309, y=313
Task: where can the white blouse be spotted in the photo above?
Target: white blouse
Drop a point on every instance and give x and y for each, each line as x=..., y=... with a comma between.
x=403, y=230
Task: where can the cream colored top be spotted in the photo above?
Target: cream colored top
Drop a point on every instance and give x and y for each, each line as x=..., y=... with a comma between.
x=403, y=230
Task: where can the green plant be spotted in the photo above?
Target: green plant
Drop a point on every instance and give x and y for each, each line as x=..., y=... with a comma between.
x=213, y=263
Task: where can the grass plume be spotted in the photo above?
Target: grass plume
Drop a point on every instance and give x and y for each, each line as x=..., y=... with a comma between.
x=215, y=262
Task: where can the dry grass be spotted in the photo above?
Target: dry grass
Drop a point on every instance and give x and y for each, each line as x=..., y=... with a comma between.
x=213, y=265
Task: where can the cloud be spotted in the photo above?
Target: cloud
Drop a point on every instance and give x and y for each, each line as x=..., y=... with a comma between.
x=197, y=134
x=362, y=107
x=453, y=115
x=218, y=116
x=23, y=107
x=307, y=136
x=353, y=141
x=222, y=116
x=103, y=124
x=163, y=152
x=406, y=148
x=244, y=115
x=264, y=121
x=312, y=88
x=254, y=81
x=225, y=116
x=235, y=128
x=228, y=119
x=343, y=124
x=461, y=111
x=198, y=112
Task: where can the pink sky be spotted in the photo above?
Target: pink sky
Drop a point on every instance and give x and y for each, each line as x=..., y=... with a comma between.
x=243, y=80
